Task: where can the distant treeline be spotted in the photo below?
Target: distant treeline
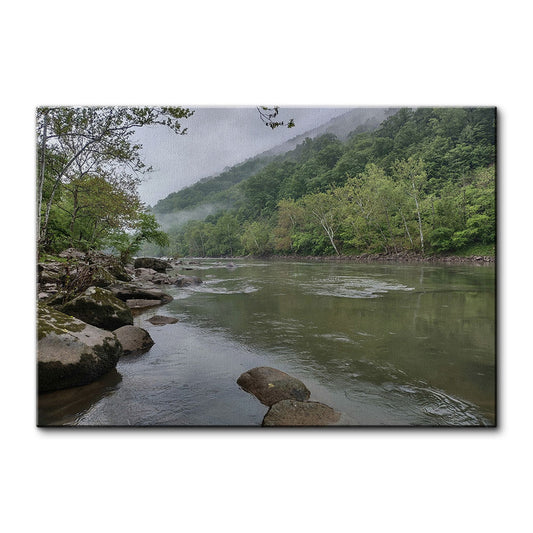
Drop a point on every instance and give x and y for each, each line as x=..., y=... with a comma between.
x=424, y=181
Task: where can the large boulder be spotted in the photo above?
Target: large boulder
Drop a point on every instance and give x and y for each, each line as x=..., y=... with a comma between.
x=100, y=308
x=51, y=272
x=270, y=385
x=70, y=352
x=295, y=413
x=152, y=262
x=134, y=340
x=130, y=291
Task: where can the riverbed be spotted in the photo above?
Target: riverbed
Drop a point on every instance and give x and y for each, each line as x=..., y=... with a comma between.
x=384, y=344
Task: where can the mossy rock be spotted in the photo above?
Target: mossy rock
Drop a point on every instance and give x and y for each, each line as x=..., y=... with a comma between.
x=100, y=308
x=100, y=277
x=70, y=352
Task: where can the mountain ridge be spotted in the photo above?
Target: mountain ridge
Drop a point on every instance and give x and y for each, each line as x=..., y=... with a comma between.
x=356, y=119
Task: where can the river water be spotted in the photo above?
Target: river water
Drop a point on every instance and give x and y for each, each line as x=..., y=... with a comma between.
x=384, y=344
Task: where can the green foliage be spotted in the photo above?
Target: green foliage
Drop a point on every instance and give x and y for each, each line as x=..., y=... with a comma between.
x=145, y=229
x=441, y=239
x=257, y=238
x=88, y=171
x=423, y=181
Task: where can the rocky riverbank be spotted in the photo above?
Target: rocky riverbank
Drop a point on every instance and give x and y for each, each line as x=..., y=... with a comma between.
x=85, y=325
x=85, y=313
x=400, y=257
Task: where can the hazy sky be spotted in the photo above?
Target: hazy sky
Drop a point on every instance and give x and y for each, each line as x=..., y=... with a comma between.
x=216, y=138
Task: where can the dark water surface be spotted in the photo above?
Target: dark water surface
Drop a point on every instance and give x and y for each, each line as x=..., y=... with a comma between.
x=385, y=344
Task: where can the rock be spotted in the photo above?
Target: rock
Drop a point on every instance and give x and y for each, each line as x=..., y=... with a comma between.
x=130, y=291
x=160, y=320
x=72, y=253
x=269, y=385
x=100, y=308
x=186, y=281
x=152, y=262
x=145, y=273
x=71, y=353
x=111, y=263
x=57, y=298
x=134, y=340
x=295, y=413
x=99, y=276
x=140, y=303
x=53, y=272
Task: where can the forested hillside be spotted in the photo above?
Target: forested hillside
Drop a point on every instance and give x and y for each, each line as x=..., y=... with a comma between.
x=424, y=181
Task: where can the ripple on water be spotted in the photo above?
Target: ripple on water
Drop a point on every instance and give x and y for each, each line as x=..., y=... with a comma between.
x=352, y=287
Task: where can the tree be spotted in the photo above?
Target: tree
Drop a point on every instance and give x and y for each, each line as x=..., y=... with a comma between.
x=290, y=215
x=256, y=238
x=145, y=229
x=225, y=238
x=412, y=175
x=324, y=211
x=89, y=138
x=268, y=114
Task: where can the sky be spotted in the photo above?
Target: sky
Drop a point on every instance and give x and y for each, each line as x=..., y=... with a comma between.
x=217, y=137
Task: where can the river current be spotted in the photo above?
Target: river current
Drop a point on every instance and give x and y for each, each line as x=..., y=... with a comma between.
x=384, y=344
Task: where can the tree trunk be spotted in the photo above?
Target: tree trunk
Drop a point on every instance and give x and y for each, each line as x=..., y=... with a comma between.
x=407, y=229
x=419, y=218
x=74, y=216
x=41, y=177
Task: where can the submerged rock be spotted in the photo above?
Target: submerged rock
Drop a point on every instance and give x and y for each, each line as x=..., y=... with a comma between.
x=270, y=385
x=134, y=340
x=295, y=413
x=100, y=308
x=160, y=320
x=70, y=352
x=152, y=262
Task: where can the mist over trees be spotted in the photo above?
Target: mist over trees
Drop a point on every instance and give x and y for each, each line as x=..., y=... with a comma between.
x=423, y=181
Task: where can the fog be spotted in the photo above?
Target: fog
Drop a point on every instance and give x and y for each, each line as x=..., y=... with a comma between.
x=179, y=218
x=217, y=137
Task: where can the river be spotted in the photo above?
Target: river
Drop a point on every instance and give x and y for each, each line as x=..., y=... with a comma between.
x=384, y=344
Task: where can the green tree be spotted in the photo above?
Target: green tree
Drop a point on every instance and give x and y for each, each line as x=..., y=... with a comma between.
x=412, y=175
x=88, y=139
x=256, y=238
x=145, y=229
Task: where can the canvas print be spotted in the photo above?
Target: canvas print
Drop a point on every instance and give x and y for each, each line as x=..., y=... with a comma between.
x=266, y=266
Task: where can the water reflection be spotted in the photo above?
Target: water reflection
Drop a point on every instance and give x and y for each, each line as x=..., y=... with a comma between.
x=383, y=344
x=64, y=407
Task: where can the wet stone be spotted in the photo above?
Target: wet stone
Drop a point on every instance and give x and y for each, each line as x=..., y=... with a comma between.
x=270, y=385
x=160, y=320
x=295, y=413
